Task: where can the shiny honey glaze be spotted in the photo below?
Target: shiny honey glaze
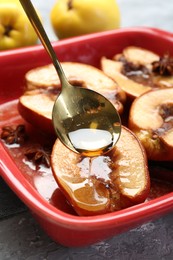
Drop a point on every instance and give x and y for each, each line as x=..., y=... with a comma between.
x=92, y=142
x=42, y=179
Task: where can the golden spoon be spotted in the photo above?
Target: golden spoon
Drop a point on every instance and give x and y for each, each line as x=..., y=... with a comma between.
x=85, y=121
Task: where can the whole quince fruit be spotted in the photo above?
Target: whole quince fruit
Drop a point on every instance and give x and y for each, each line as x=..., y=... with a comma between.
x=15, y=28
x=75, y=17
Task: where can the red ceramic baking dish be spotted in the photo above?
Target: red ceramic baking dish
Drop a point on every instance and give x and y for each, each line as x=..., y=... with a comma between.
x=39, y=190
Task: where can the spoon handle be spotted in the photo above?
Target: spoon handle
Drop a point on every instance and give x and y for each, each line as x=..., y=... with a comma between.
x=36, y=23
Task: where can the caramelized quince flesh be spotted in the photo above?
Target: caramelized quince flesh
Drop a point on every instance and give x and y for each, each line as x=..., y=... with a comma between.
x=151, y=118
x=43, y=87
x=96, y=185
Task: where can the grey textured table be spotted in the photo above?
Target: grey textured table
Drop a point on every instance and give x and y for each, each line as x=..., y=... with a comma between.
x=21, y=237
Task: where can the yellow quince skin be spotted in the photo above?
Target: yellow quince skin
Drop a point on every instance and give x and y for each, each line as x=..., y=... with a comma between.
x=15, y=28
x=77, y=17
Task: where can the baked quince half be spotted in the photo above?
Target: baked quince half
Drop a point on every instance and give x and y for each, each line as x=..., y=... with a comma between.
x=151, y=119
x=137, y=70
x=43, y=87
x=102, y=184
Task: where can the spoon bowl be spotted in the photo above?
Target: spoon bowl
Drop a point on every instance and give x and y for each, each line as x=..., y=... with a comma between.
x=84, y=120
x=87, y=123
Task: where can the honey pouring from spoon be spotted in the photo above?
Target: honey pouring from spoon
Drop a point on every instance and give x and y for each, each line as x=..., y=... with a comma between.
x=84, y=120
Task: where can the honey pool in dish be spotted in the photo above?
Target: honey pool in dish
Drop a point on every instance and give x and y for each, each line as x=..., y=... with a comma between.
x=40, y=177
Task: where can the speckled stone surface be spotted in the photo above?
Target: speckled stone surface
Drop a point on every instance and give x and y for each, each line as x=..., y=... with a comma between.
x=20, y=236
